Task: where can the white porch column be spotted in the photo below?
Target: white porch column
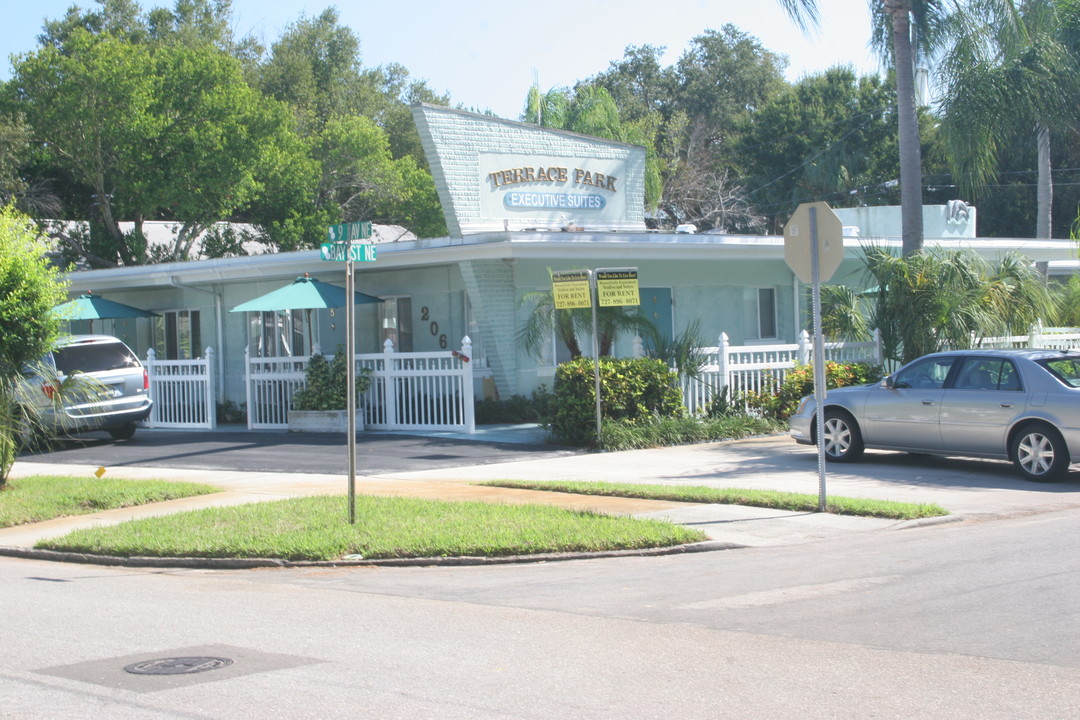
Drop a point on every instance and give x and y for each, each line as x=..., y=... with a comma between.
x=467, y=398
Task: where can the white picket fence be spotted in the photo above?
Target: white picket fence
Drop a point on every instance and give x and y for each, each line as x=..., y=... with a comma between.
x=762, y=368
x=409, y=391
x=434, y=390
x=420, y=390
x=182, y=391
x=1053, y=338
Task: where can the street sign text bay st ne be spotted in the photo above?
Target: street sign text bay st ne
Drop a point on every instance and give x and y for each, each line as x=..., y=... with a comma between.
x=342, y=251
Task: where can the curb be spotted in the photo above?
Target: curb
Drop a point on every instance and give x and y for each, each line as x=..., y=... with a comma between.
x=217, y=563
x=928, y=522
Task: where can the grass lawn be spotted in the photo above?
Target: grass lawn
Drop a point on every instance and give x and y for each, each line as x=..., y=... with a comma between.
x=736, y=496
x=44, y=497
x=316, y=528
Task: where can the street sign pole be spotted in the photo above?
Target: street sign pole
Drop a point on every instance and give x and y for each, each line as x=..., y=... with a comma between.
x=595, y=349
x=819, y=357
x=339, y=248
x=350, y=385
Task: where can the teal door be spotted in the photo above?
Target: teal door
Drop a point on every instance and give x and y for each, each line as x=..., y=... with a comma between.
x=656, y=304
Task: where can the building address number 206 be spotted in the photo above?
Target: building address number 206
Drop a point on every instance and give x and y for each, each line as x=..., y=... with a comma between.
x=433, y=327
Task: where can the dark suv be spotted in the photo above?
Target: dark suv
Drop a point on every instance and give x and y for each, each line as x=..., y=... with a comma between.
x=119, y=393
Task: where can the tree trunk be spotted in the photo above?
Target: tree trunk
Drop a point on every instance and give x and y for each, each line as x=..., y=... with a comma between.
x=908, y=121
x=1045, y=204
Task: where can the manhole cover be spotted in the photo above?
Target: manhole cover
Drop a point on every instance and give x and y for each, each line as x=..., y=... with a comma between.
x=177, y=665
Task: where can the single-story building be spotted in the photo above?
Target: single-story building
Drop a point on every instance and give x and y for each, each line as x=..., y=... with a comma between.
x=520, y=201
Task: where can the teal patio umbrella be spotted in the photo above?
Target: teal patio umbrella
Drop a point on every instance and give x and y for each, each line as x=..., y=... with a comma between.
x=304, y=293
x=94, y=307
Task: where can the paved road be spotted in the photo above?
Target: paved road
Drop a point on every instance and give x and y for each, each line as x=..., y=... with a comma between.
x=970, y=620
x=228, y=449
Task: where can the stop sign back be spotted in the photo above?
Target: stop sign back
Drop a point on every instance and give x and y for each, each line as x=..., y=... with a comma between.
x=830, y=241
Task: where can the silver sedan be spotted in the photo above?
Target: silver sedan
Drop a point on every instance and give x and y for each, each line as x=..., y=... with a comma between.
x=1018, y=405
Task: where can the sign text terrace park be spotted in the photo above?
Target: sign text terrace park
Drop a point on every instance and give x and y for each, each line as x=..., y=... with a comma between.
x=514, y=176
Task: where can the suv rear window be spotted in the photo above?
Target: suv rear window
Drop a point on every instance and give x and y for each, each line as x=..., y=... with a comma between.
x=95, y=357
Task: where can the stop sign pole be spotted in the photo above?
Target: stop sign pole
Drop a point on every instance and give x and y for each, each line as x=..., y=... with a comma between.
x=819, y=356
x=826, y=250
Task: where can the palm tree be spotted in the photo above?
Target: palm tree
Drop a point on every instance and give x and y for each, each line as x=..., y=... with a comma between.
x=841, y=314
x=932, y=301
x=902, y=28
x=1009, y=71
x=569, y=325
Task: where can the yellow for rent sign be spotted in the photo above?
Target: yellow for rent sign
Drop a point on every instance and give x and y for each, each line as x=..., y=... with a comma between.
x=617, y=286
x=570, y=289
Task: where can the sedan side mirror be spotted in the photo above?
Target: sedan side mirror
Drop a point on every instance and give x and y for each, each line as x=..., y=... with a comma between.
x=888, y=383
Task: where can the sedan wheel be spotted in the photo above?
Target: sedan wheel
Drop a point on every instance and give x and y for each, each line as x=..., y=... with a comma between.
x=843, y=441
x=124, y=432
x=1039, y=454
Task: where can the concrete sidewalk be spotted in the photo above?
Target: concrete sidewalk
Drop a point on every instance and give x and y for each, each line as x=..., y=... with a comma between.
x=968, y=489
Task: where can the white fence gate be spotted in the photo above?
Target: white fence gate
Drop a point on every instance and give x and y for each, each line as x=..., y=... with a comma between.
x=270, y=383
x=409, y=391
x=182, y=391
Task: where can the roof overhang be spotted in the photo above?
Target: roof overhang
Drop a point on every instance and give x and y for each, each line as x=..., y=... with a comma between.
x=549, y=246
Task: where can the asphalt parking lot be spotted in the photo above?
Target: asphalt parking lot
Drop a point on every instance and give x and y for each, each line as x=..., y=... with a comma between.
x=269, y=451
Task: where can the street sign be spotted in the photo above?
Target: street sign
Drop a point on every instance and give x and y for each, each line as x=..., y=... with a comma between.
x=617, y=286
x=342, y=251
x=830, y=236
x=348, y=231
x=570, y=289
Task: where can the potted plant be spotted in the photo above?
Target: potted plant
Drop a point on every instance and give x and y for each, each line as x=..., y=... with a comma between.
x=320, y=405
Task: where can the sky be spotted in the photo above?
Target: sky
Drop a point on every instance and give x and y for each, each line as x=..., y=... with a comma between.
x=486, y=54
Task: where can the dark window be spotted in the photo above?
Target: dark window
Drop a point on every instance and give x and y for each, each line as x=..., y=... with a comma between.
x=177, y=335
x=1067, y=370
x=93, y=358
x=395, y=323
x=930, y=373
x=987, y=374
x=766, y=313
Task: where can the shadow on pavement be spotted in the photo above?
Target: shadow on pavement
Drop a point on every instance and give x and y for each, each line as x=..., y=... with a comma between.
x=286, y=452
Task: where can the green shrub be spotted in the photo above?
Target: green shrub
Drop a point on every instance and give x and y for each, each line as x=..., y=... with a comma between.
x=230, y=412
x=518, y=409
x=326, y=383
x=723, y=404
x=30, y=287
x=631, y=390
x=664, y=432
x=799, y=382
